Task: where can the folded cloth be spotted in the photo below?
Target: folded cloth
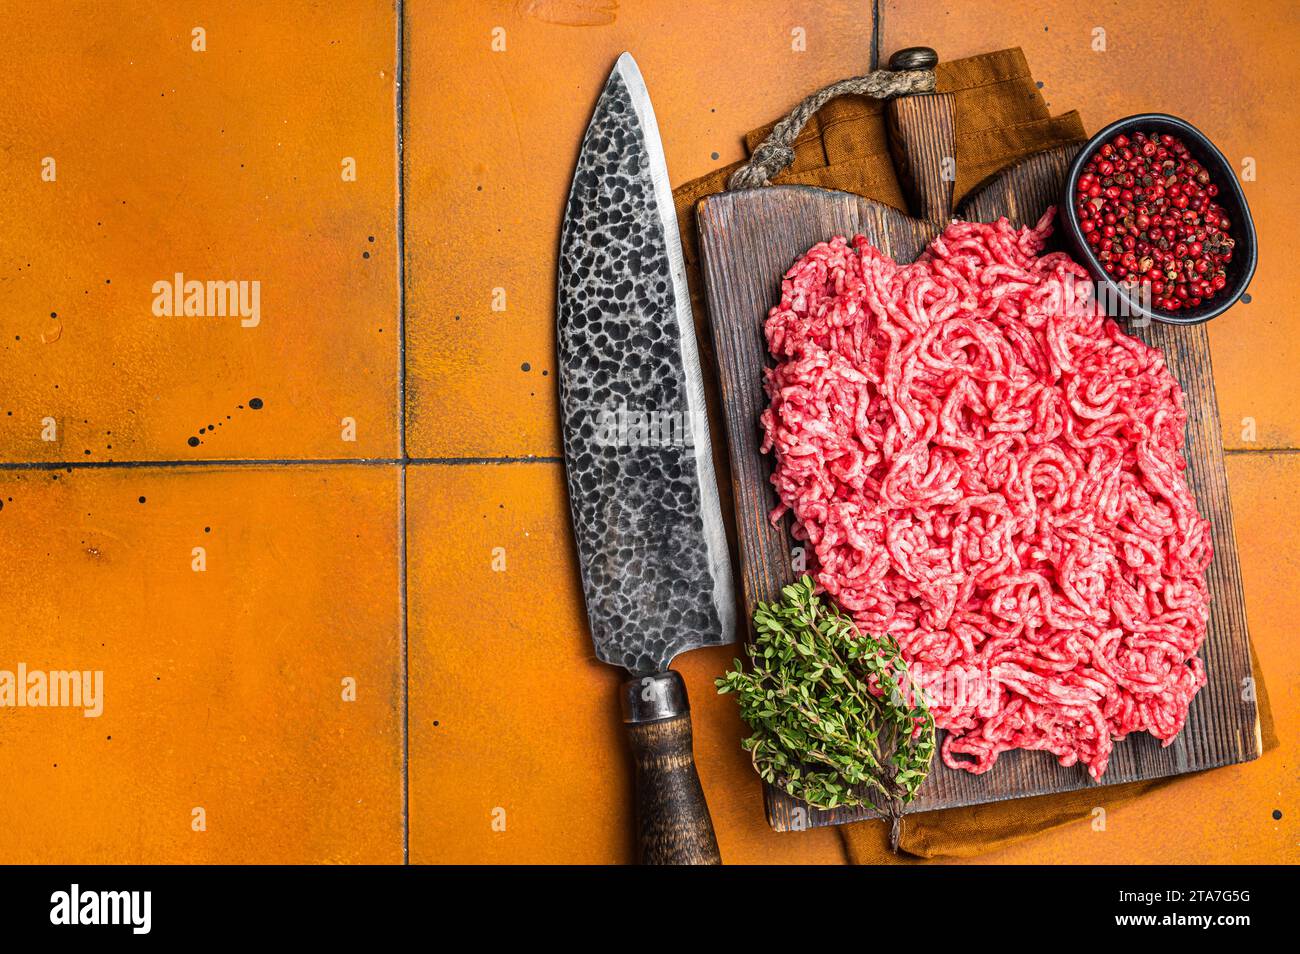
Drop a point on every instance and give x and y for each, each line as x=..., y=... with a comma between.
x=1001, y=117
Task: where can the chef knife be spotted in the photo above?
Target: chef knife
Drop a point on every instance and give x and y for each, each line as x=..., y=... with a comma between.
x=656, y=574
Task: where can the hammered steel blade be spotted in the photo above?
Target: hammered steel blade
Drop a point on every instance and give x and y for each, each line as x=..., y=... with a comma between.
x=656, y=572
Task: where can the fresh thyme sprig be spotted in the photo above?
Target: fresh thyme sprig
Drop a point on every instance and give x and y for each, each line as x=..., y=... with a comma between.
x=836, y=721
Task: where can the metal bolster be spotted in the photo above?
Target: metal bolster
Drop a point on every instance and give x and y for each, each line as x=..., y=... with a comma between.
x=654, y=698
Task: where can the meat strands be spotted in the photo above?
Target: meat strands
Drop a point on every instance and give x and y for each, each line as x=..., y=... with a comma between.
x=989, y=469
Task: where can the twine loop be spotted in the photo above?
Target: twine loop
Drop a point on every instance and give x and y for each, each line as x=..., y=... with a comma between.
x=775, y=153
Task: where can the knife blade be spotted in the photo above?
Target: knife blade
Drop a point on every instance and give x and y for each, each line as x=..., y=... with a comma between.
x=652, y=550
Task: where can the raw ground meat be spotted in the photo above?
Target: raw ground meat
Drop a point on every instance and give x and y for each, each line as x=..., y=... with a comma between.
x=987, y=468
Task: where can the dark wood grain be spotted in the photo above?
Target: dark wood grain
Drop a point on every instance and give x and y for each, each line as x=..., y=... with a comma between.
x=673, y=822
x=748, y=240
x=923, y=143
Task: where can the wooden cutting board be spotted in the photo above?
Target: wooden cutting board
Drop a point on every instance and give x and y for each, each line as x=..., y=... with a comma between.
x=748, y=241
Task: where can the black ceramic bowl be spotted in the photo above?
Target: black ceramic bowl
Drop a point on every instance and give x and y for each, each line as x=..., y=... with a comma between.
x=1230, y=197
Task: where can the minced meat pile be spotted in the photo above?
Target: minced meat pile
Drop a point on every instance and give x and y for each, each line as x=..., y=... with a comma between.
x=987, y=468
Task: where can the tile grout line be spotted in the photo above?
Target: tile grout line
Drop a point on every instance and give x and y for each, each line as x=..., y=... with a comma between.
x=875, y=35
x=404, y=652
x=404, y=644
x=253, y=462
x=218, y=463
x=400, y=112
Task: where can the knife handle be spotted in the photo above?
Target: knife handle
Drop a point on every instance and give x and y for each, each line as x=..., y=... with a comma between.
x=673, y=822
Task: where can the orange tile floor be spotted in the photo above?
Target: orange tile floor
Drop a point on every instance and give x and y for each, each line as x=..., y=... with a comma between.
x=337, y=673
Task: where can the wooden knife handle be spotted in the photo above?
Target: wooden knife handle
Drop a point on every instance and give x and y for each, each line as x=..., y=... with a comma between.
x=923, y=141
x=672, y=818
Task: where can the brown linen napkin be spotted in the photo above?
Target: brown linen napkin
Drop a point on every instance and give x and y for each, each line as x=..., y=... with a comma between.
x=1000, y=118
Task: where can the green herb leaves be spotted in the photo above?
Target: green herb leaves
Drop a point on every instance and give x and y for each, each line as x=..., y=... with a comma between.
x=835, y=719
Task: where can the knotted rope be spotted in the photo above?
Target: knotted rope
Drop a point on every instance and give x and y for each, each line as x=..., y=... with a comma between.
x=775, y=153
